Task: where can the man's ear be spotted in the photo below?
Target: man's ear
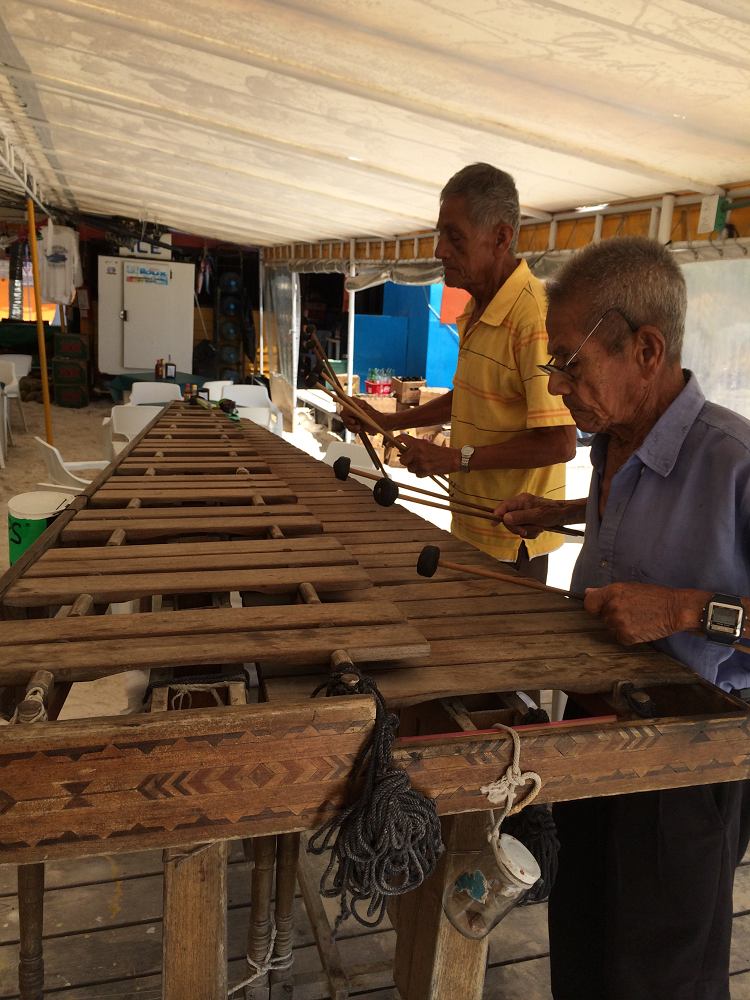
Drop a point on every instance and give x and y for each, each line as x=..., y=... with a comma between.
x=651, y=348
x=503, y=238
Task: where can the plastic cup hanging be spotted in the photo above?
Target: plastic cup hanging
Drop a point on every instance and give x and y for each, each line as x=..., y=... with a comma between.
x=487, y=890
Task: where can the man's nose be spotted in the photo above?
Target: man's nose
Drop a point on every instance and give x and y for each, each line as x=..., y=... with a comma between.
x=559, y=385
x=441, y=250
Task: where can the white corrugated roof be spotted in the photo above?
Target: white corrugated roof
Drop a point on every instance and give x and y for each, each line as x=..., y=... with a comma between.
x=265, y=121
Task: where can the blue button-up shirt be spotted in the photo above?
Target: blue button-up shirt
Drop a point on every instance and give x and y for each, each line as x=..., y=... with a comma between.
x=677, y=515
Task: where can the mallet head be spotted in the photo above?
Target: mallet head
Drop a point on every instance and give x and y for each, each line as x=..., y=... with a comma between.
x=429, y=558
x=341, y=468
x=312, y=380
x=385, y=492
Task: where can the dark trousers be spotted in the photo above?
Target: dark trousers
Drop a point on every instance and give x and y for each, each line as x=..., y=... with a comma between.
x=642, y=904
x=534, y=569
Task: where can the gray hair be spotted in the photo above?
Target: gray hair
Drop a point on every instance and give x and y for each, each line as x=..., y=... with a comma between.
x=491, y=195
x=631, y=273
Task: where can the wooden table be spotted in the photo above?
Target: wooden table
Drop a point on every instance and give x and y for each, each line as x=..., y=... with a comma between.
x=263, y=556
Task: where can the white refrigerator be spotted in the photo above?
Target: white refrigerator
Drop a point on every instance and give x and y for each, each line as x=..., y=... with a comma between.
x=145, y=313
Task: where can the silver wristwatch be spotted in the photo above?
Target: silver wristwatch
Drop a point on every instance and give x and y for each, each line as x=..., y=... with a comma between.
x=466, y=452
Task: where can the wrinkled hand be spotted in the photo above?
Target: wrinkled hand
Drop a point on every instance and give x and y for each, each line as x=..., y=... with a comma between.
x=353, y=424
x=639, y=612
x=528, y=516
x=425, y=459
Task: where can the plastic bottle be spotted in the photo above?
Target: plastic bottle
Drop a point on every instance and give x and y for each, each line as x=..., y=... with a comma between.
x=492, y=884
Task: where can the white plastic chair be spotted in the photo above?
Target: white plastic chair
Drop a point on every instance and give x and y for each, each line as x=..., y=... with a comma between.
x=9, y=376
x=154, y=392
x=124, y=423
x=21, y=362
x=268, y=416
x=356, y=453
x=216, y=390
x=61, y=473
x=128, y=421
x=248, y=395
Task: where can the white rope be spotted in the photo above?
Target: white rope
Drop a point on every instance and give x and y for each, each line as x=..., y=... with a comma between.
x=183, y=692
x=33, y=694
x=503, y=790
x=268, y=964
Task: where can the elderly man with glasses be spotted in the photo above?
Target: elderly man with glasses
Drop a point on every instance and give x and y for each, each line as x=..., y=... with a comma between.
x=642, y=907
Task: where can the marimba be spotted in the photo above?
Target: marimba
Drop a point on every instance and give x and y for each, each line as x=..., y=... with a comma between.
x=236, y=548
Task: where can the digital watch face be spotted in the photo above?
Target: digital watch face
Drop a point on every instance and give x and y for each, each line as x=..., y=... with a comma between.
x=724, y=616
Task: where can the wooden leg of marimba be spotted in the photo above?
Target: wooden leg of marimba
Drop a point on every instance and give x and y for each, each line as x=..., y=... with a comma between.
x=433, y=961
x=287, y=853
x=195, y=922
x=30, y=921
x=259, y=933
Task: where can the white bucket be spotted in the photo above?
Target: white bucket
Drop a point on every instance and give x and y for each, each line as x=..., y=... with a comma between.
x=29, y=515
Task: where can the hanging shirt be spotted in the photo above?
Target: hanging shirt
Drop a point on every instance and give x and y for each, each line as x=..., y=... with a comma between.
x=677, y=515
x=59, y=264
x=500, y=394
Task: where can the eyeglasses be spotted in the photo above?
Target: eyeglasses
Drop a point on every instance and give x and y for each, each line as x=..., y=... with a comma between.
x=551, y=369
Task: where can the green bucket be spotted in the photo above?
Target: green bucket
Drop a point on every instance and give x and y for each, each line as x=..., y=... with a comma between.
x=29, y=515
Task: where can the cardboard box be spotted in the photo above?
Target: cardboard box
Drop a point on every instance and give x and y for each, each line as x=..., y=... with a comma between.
x=428, y=393
x=71, y=345
x=407, y=390
x=67, y=371
x=384, y=404
x=71, y=395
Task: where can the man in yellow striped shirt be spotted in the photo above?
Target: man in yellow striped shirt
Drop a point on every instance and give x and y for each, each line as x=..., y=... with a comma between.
x=508, y=434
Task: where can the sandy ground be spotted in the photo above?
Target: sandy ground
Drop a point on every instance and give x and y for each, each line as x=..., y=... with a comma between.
x=77, y=434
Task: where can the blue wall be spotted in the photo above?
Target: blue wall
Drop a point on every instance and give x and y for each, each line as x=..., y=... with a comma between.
x=379, y=342
x=408, y=337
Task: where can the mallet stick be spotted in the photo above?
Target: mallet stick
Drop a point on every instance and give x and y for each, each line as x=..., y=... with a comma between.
x=349, y=403
x=429, y=560
x=363, y=436
x=454, y=504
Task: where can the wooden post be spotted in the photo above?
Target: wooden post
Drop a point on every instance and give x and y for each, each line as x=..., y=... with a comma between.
x=259, y=932
x=286, y=882
x=39, y=321
x=433, y=961
x=195, y=923
x=31, y=882
x=30, y=924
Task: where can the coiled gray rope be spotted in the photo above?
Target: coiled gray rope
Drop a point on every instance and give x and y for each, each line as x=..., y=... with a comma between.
x=387, y=841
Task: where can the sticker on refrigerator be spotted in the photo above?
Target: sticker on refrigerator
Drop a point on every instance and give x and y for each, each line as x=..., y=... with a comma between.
x=147, y=274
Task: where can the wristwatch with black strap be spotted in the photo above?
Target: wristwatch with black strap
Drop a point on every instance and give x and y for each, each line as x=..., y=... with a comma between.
x=723, y=618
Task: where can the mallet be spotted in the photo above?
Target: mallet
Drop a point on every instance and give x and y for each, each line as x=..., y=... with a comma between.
x=429, y=560
x=324, y=362
x=312, y=381
x=386, y=493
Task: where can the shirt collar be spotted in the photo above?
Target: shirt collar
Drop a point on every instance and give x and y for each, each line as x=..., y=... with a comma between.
x=665, y=439
x=503, y=301
x=663, y=442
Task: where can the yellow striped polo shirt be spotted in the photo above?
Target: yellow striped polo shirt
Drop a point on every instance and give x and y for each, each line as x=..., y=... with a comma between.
x=499, y=393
